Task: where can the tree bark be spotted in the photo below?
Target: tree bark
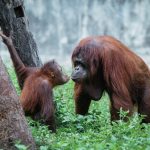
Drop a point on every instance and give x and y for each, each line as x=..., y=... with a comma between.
x=14, y=19
x=13, y=126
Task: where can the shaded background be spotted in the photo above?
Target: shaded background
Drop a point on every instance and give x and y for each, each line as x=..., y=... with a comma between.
x=58, y=25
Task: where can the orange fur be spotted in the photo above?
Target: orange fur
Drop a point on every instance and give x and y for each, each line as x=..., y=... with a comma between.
x=37, y=84
x=37, y=95
x=117, y=70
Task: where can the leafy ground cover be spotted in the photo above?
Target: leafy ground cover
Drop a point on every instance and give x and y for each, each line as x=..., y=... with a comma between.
x=91, y=132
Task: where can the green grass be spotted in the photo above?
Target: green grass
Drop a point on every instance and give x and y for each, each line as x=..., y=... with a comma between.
x=91, y=132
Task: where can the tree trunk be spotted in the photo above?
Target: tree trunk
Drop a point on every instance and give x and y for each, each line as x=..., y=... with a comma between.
x=13, y=18
x=13, y=126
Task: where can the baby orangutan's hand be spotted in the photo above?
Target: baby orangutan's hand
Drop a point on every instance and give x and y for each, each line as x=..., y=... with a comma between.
x=6, y=40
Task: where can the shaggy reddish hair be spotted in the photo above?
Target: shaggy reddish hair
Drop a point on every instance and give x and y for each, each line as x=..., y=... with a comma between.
x=116, y=69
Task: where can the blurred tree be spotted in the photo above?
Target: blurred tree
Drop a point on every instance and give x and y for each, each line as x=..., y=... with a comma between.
x=13, y=126
x=13, y=19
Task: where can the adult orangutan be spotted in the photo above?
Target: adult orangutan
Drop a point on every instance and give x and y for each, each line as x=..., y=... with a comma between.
x=37, y=84
x=102, y=63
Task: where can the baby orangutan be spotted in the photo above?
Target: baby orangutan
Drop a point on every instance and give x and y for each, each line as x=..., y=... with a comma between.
x=37, y=84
